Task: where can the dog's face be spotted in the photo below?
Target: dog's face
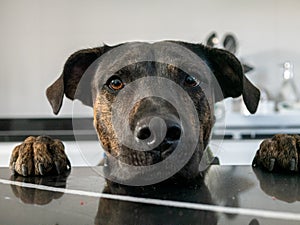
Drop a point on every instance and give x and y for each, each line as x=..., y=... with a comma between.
x=146, y=116
x=136, y=91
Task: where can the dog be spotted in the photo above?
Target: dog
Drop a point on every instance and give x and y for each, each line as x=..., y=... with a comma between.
x=83, y=79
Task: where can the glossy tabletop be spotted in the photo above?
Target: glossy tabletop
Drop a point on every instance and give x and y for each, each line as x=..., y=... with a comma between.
x=228, y=195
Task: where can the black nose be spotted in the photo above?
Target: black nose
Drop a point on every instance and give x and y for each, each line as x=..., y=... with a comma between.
x=143, y=133
x=173, y=132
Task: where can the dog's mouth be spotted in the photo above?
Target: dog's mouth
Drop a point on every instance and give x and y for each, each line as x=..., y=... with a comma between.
x=165, y=149
x=161, y=152
x=146, y=158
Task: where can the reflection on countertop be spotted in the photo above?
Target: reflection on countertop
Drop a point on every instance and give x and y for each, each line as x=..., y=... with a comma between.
x=82, y=197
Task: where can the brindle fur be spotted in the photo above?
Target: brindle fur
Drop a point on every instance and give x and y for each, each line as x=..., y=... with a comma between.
x=280, y=153
x=225, y=66
x=158, y=107
x=39, y=156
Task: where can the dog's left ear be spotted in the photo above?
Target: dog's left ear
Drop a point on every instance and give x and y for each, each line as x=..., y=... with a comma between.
x=230, y=76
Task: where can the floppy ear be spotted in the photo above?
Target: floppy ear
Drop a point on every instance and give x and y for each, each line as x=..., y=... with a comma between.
x=230, y=76
x=67, y=83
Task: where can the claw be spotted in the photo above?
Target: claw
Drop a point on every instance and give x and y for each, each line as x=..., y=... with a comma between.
x=24, y=170
x=57, y=166
x=41, y=169
x=293, y=164
x=68, y=164
x=12, y=168
x=255, y=162
x=272, y=163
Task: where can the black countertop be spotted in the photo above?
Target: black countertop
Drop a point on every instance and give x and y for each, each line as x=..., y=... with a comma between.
x=228, y=195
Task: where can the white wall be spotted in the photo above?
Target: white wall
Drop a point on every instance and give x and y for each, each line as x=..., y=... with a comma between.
x=37, y=36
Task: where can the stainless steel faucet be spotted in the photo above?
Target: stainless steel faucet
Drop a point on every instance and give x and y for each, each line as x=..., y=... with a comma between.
x=288, y=91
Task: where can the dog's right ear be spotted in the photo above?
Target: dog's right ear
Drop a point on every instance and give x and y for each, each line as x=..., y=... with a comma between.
x=67, y=83
x=231, y=78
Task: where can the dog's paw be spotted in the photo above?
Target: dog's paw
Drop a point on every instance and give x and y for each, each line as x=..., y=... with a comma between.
x=40, y=155
x=279, y=153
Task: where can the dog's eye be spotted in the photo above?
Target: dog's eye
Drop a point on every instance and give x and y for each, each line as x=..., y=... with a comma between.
x=190, y=81
x=115, y=83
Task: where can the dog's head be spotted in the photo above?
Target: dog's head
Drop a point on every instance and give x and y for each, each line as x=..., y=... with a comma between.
x=150, y=99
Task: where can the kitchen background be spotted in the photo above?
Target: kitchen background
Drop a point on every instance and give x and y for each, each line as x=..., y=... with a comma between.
x=37, y=37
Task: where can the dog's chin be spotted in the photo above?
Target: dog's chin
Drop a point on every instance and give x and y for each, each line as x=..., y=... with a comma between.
x=189, y=172
x=143, y=177
x=134, y=167
x=133, y=157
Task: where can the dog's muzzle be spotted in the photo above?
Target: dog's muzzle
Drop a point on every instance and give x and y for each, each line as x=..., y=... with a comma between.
x=160, y=134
